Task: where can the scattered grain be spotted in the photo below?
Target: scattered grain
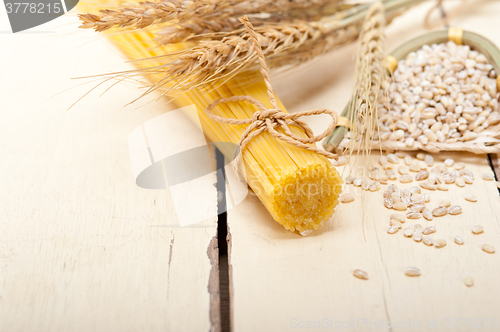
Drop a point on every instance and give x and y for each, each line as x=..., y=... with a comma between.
x=399, y=206
x=449, y=162
x=439, y=243
x=454, y=210
x=412, y=271
x=392, y=229
x=429, y=230
x=427, y=214
x=427, y=240
x=422, y=175
x=442, y=187
x=469, y=282
x=360, y=274
x=471, y=198
x=429, y=160
x=393, y=159
x=460, y=182
x=439, y=212
x=488, y=248
x=413, y=215
x=445, y=203
x=488, y=177
x=458, y=240
x=398, y=217
x=478, y=229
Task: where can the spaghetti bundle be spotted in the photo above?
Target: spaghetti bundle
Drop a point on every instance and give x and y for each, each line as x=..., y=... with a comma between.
x=299, y=188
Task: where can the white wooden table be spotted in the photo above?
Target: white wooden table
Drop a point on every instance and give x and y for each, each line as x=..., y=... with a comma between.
x=82, y=248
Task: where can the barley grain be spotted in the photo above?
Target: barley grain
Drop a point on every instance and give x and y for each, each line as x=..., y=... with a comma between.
x=427, y=214
x=350, y=179
x=460, y=182
x=449, y=162
x=488, y=177
x=398, y=217
x=341, y=161
x=440, y=243
x=406, y=178
x=427, y=185
x=393, y=159
x=478, y=229
x=383, y=161
x=458, y=240
x=408, y=160
x=392, y=229
x=442, y=187
x=360, y=274
x=471, y=198
x=415, y=168
x=422, y=175
x=394, y=222
x=469, y=282
x=400, y=206
x=346, y=198
x=429, y=160
x=412, y=271
x=429, y=230
x=419, y=207
x=454, y=210
x=488, y=248
x=413, y=215
x=417, y=236
x=427, y=240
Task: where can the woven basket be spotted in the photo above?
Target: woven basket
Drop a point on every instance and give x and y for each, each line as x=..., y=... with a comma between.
x=488, y=141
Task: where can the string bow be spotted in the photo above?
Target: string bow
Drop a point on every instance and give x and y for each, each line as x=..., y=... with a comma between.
x=272, y=118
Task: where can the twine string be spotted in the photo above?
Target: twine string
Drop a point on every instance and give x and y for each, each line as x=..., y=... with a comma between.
x=272, y=118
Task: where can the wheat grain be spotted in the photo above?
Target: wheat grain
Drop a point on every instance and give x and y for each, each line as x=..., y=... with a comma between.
x=440, y=243
x=412, y=271
x=347, y=198
x=427, y=240
x=360, y=274
x=392, y=229
x=478, y=229
x=488, y=248
x=469, y=282
x=471, y=198
x=454, y=210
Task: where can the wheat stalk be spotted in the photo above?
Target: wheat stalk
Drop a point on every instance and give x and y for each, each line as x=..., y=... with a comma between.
x=216, y=28
x=224, y=54
x=210, y=60
x=369, y=77
x=147, y=13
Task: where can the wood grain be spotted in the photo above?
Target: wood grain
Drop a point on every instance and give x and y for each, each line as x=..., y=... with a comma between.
x=82, y=248
x=281, y=281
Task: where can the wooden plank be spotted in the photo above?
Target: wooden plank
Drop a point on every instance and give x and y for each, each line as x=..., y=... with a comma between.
x=281, y=281
x=82, y=248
